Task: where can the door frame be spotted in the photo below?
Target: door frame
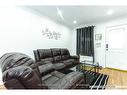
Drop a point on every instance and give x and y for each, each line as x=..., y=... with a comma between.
x=106, y=28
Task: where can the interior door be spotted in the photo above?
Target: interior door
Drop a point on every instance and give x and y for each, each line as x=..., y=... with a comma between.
x=116, y=47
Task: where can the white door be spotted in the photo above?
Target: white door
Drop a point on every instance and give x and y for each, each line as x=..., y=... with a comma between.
x=116, y=47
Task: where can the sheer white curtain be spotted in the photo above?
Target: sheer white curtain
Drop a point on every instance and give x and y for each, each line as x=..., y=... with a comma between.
x=87, y=59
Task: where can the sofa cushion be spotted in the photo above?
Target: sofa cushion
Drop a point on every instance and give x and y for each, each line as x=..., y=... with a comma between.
x=45, y=55
x=56, y=55
x=47, y=59
x=68, y=62
x=65, y=54
x=64, y=57
x=57, y=58
x=58, y=66
x=68, y=81
x=52, y=78
x=58, y=74
x=46, y=68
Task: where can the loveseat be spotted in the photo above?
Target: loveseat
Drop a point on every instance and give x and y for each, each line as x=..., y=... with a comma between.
x=21, y=72
x=60, y=57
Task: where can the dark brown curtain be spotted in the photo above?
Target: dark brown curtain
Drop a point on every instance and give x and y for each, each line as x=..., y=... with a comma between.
x=85, y=41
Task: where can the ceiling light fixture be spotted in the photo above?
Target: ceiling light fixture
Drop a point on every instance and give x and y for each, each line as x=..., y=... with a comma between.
x=60, y=13
x=74, y=21
x=110, y=12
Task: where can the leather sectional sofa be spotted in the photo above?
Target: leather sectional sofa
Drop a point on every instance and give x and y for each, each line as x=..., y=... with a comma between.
x=21, y=72
x=60, y=58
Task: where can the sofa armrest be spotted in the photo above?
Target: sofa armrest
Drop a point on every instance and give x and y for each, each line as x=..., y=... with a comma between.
x=25, y=75
x=74, y=57
x=13, y=84
x=36, y=55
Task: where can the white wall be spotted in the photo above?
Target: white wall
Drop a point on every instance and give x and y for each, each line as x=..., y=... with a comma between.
x=21, y=31
x=100, y=29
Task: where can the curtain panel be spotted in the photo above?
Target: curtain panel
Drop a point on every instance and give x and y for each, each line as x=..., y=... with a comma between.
x=85, y=41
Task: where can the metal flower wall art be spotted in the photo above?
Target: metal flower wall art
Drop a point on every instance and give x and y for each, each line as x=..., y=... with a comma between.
x=51, y=34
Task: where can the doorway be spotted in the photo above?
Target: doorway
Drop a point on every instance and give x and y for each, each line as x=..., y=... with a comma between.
x=116, y=47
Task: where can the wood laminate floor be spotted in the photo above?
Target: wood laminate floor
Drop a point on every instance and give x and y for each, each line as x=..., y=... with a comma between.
x=117, y=79
x=2, y=87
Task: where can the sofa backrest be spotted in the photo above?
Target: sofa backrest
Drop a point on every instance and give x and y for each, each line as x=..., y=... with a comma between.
x=45, y=55
x=18, y=66
x=53, y=54
x=10, y=60
x=64, y=54
x=56, y=54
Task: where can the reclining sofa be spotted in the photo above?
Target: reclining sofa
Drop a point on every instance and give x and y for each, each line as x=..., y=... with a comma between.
x=60, y=58
x=21, y=72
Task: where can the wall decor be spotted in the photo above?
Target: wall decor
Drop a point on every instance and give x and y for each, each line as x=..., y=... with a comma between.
x=98, y=36
x=51, y=34
x=98, y=45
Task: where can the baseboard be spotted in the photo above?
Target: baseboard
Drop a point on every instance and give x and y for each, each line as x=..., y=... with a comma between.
x=116, y=69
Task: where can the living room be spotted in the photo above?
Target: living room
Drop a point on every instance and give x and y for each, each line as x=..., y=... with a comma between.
x=28, y=28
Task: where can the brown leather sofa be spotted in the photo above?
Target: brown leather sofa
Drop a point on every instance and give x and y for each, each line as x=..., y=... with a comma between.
x=60, y=58
x=21, y=72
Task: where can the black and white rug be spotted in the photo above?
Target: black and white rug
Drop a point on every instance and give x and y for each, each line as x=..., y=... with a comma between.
x=95, y=80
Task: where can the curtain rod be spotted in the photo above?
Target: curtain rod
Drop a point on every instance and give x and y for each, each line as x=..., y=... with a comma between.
x=85, y=26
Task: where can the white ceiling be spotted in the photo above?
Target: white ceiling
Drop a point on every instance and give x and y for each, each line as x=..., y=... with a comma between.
x=82, y=14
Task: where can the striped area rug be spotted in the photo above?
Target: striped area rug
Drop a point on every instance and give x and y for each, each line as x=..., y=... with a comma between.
x=96, y=80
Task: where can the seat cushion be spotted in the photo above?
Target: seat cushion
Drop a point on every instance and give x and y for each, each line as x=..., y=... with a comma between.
x=68, y=81
x=46, y=68
x=47, y=59
x=52, y=78
x=58, y=66
x=58, y=74
x=68, y=62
